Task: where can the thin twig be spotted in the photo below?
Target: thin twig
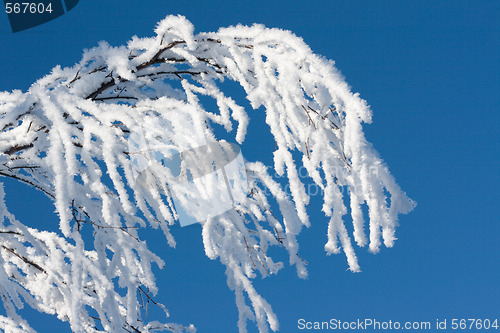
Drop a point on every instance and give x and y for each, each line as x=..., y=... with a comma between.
x=248, y=250
x=11, y=232
x=307, y=148
x=18, y=148
x=98, y=226
x=28, y=182
x=115, y=97
x=146, y=294
x=310, y=119
x=24, y=259
x=156, y=58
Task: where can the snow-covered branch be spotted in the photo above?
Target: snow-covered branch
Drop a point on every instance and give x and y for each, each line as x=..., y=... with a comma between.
x=70, y=136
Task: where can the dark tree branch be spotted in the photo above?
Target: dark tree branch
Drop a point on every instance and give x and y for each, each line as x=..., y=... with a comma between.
x=11, y=232
x=24, y=259
x=18, y=148
x=104, y=86
x=156, y=58
x=27, y=182
x=114, y=97
x=74, y=212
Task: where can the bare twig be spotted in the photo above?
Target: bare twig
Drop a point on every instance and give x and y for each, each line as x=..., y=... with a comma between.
x=307, y=148
x=11, y=232
x=248, y=250
x=27, y=182
x=309, y=116
x=24, y=259
x=18, y=148
x=114, y=97
x=156, y=58
x=79, y=221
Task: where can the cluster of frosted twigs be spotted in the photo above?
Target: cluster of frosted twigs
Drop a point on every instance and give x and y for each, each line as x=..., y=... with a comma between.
x=67, y=136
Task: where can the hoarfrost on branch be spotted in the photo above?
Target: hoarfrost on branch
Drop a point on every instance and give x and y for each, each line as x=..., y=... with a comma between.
x=68, y=136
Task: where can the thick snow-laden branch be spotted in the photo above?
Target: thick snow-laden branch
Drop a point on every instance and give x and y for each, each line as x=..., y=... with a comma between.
x=69, y=136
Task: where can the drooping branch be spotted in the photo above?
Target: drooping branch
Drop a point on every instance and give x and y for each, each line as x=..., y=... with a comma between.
x=98, y=138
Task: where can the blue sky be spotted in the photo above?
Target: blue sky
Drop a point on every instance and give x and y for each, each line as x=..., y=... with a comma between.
x=431, y=72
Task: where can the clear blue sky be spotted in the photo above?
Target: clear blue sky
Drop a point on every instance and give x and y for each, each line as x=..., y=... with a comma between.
x=431, y=72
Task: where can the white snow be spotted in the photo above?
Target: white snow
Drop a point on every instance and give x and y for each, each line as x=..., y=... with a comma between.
x=68, y=136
